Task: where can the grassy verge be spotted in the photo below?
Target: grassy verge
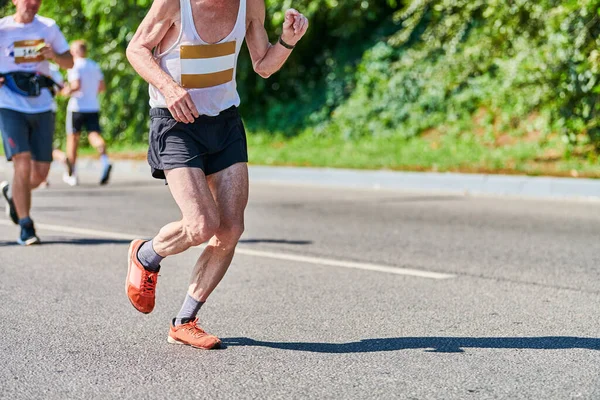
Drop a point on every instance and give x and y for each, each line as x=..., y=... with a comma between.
x=469, y=153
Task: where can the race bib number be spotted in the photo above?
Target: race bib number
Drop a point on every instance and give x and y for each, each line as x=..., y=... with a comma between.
x=27, y=51
x=207, y=65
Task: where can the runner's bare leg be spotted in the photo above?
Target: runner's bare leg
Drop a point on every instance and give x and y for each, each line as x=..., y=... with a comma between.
x=21, y=187
x=28, y=175
x=200, y=218
x=97, y=142
x=72, y=143
x=230, y=190
x=39, y=173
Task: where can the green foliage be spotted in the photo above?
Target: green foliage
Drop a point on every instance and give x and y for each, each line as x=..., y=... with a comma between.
x=320, y=73
x=451, y=58
x=108, y=26
x=383, y=68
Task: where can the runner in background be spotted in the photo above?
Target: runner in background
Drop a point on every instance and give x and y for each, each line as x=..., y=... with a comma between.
x=85, y=83
x=28, y=42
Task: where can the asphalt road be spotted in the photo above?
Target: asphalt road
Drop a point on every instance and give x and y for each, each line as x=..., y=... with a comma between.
x=513, y=312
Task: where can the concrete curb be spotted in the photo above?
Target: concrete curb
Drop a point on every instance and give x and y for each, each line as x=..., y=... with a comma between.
x=476, y=184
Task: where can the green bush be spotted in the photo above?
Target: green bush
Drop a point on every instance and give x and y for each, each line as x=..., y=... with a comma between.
x=314, y=78
x=386, y=68
x=451, y=58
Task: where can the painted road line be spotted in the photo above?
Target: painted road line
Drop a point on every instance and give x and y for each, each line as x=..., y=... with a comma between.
x=91, y=232
x=259, y=253
x=345, y=264
x=81, y=231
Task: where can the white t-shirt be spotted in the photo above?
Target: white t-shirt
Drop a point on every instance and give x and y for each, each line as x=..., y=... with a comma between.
x=17, y=53
x=58, y=78
x=89, y=75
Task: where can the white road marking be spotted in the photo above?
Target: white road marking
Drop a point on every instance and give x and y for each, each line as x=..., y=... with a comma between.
x=81, y=231
x=91, y=232
x=259, y=253
x=345, y=264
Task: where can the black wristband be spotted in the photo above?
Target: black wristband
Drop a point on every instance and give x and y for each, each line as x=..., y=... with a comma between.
x=284, y=44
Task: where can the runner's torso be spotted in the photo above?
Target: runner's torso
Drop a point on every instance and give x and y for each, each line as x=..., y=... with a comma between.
x=206, y=69
x=89, y=75
x=18, y=52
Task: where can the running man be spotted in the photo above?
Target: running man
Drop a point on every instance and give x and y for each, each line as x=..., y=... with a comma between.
x=27, y=43
x=85, y=83
x=197, y=139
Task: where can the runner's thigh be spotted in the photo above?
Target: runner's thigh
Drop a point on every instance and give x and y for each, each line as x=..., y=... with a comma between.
x=42, y=136
x=191, y=193
x=230, y=191
x=15, y=132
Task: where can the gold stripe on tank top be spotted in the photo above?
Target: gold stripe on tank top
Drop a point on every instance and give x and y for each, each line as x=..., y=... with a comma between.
x=207, y=50
x=201, y=81
x=204, y=53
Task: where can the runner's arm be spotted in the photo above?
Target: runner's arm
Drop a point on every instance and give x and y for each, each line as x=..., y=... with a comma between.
x=74, y=86
x=268, y=58
x=71, y=87
x=149, y=34
x=56, y=48
x=64, y=60
x=101, y=87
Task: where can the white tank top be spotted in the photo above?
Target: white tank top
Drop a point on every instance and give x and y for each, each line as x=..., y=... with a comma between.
x=206, y=71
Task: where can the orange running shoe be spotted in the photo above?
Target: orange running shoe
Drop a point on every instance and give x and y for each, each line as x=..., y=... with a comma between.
x=192, y=335
x=140, y=284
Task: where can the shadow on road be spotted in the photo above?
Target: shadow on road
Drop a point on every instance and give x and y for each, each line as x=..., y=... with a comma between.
x=73, y=241
x=276, y=241
x=430, y=344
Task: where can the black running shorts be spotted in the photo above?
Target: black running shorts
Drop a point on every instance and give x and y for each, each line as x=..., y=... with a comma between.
x=79, y=121
x=210, y=143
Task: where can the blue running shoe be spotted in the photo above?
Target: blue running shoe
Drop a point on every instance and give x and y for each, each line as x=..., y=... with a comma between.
x=11, y=211
x=28, y=236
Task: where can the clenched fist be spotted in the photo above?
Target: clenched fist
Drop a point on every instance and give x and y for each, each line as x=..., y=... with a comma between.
x=294, y=27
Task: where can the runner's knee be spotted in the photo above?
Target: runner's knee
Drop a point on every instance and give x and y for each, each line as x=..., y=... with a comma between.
x=200, y=230
x=21, y=158
x=39, y=173
x=229, y=233
x=36, y=180
x=22, y=164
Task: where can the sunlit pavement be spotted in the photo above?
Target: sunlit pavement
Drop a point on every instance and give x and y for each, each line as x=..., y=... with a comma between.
x=334, y=293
